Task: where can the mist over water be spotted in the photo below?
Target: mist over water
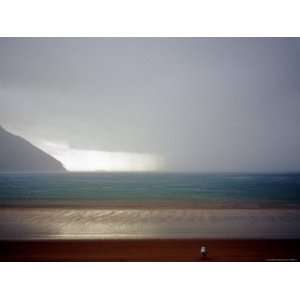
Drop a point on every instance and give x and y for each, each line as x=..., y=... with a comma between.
x=193, y=104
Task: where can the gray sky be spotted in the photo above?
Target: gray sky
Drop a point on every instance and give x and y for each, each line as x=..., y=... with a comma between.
x=202, y=104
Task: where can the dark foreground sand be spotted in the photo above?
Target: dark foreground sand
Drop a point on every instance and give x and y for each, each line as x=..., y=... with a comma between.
x=150, y=250
x=143, y=234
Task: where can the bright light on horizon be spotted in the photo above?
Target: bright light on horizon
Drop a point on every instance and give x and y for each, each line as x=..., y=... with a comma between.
x=92, y=161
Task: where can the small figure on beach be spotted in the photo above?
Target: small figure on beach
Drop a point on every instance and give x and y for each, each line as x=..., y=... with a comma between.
x=204, y=251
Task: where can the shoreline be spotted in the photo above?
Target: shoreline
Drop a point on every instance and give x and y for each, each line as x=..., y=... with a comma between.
x=109, y=204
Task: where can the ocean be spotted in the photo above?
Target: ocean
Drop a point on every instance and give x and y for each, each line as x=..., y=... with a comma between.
x=209, y=190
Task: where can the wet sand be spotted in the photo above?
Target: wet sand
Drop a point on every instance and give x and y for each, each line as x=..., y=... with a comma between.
x=144, y=234
x=142, y=223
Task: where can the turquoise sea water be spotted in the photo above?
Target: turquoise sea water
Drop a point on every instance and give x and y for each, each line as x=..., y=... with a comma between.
x=229, y=190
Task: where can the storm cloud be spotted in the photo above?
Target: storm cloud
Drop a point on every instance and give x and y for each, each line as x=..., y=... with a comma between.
x=202, y=104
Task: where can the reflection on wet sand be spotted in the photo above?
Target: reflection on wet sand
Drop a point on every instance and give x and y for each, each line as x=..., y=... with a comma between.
x=97, y=223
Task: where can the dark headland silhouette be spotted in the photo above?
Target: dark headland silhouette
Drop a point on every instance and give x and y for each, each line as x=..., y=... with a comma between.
x=18, y=155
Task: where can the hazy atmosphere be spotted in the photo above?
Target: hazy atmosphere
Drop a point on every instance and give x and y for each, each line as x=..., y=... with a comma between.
x=138, y=104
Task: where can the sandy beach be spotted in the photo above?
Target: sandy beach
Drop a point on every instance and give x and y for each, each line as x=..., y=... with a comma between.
x=148, y=234
x=151, y=250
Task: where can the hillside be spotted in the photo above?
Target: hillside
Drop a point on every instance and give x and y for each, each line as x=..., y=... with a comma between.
x=18, y=155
